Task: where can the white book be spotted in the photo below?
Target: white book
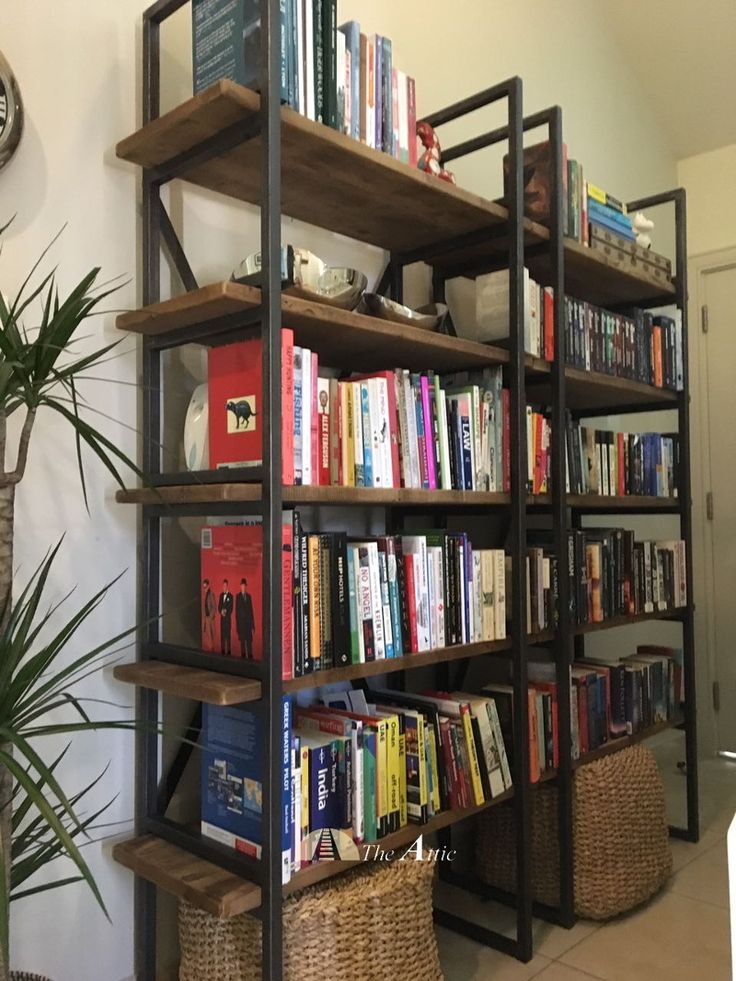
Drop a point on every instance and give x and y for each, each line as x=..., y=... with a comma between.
x=503, y=756
x=384, y=433
x=431, y=592
x=306, y=416
x=378, y=631
x=356, y=740
x=298, y=416
x=296, y=808
x=445, y=474
x=301, y=105
x=362, y=597
x=308, y=21
x=477, y=599
x=499, y=593
x=358, y=422
x=412, y=437
x=388, y=634
x=439, y=579
x=379, y=465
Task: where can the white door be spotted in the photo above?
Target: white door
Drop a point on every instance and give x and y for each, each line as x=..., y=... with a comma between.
x=718, y=395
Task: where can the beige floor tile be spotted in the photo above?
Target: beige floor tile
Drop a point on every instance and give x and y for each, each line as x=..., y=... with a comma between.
x=464, y=960
x=549, y=940
x=674, y=938
x=705, y=878
x=684, y=852
x=562, y=972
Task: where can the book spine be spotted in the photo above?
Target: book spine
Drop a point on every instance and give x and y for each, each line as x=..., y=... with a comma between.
x=412, y=123
x=427, y=419
x=353, y=609
x=286, y=839
x=385, y=605
x=329, y=47
x=305, y=595
x=315, y=636
x=309, y=58
x=378, y=91
x=367, y=477
x=341, y=632
x=319, y=59
x=366, y=605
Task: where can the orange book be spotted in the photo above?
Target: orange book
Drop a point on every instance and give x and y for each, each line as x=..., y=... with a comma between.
x=657, y=355
x=533, y=738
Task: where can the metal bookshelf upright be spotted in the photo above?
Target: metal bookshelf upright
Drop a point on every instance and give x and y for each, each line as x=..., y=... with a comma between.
x=249, y=147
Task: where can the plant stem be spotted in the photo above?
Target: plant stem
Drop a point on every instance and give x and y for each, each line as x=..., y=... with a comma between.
x=7, y=516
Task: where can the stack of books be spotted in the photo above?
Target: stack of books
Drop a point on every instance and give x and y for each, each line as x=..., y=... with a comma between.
x=334, y=75
x=492, y=304
x=615, y=463
x=388, y=429
x=607, y=212
x=355, y=770
x=642, y=346
x=350, y=601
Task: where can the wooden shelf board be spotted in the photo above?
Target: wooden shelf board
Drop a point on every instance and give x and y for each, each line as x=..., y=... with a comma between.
x=328, y=179
x=340, y=337
x=182, y=874
x=184, y=682
x=591, y=275
x=590, y=628
x=410, y=661
x=211, y=493
x=629, y=502
x=595, y=391
x=615, y=745
x=403, y=838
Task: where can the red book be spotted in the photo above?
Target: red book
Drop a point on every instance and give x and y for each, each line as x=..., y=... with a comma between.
x=550, y=688
x=450, y=765
x=549, y=323
x=412, y=113
x=506, y=407
x=231, y=562
x=323, y=431
x=235, y=377
x=582, y=694
x=393, y=420
x=533, y=737
x=411, y=603
x=620, y=465
x=313, y=413
x=539, y=463
x=657, y=355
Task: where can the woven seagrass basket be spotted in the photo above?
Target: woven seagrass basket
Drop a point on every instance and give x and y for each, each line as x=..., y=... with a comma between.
x=372, y=924
x=621, y=846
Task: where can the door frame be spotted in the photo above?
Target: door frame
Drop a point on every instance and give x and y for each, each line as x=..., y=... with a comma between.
x=703, y=591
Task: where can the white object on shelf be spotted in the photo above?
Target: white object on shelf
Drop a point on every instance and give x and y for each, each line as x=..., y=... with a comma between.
x=196, y=435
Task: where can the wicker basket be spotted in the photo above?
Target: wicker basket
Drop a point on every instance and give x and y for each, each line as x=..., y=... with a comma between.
x=621, y=850
x=373, y=924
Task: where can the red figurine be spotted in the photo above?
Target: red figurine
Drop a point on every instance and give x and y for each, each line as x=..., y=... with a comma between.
x=431, y=160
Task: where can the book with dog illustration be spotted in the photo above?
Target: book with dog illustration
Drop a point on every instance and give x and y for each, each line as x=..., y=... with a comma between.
x=235, y=376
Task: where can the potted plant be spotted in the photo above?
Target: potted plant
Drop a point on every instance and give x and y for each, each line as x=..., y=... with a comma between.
x=40, y=371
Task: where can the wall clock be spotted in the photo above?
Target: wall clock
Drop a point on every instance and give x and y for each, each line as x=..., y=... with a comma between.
x=11, y=113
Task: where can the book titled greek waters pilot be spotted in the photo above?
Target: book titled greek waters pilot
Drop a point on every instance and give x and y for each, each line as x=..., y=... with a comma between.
x=226, y=43
x=231, y=780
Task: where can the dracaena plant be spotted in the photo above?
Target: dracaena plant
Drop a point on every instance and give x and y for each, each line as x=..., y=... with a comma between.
x=41, y=368
x=38, y=700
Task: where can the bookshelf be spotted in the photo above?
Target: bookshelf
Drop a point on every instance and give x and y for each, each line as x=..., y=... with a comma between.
x=233, y=141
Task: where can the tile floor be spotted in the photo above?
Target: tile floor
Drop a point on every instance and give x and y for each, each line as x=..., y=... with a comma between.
x=681, y=935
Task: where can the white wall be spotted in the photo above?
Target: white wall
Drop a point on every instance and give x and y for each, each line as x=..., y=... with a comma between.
x=77, y=63
x=710, y=182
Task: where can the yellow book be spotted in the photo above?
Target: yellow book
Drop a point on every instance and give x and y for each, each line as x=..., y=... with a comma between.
x=472, y=756
x=348, y=429
x=597, y=193
x=422, y=747
x=305, y=791
x=382, y=777
x=393, y=759
x=434, y=763
x=403, y=810
x=315, y=637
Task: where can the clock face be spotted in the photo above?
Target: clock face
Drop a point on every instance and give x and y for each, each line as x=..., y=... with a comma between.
x=11, y=113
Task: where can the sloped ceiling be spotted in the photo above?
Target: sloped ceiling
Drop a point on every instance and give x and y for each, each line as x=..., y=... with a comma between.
x=683, y=53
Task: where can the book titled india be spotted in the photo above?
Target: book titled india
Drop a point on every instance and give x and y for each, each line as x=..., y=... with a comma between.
x=235, y=398
x=231, y=780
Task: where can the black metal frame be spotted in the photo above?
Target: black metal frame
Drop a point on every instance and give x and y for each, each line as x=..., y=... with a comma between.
x=153, y=793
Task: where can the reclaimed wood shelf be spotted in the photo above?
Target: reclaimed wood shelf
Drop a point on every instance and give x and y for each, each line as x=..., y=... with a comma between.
x=596, y=391
x=211, y=493
x=615, y=745
x=183, y=682
x=627, y=502
x=338, y=336
x=328, y=179
x=181, y=874
x=337, y=183
x=677, y=613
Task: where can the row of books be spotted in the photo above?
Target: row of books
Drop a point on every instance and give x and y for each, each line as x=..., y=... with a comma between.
x=643, y=347
x=611, y=574
x=389, y=429
x=334, y=75
x=615, y=463
x=539, y=454
x=352, y=769
x=357, y=601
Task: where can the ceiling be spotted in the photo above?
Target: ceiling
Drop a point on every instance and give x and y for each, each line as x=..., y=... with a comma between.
x=683, y=53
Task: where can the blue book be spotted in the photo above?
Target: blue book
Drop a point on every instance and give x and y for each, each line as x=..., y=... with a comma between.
x=231, y=780
x=416, y=391
x=325, y=807
x=226, y=43
x=365, y=413
x=612, y=226
x=387, y=99
x=290, y=35
x=598, y=210
x=351, y=30
x=386, y=601
x=378, y=74
x=465, y=445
